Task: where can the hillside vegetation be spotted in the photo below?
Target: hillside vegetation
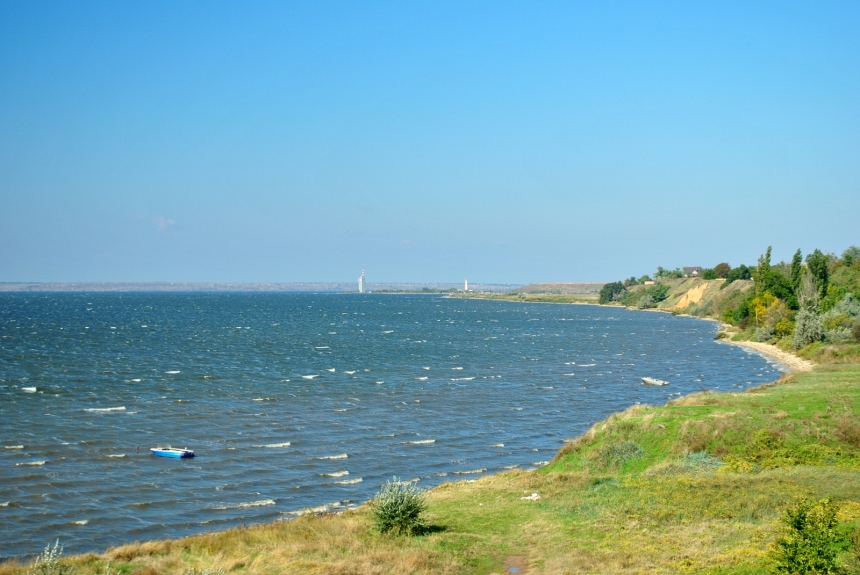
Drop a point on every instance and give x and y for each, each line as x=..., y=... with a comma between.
x=695, y=486
x=811, y=307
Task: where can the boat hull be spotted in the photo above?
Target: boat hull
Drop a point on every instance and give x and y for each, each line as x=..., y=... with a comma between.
x=652, y=381
x=174, y=453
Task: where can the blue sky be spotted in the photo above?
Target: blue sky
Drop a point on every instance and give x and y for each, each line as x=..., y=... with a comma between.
x=424, y=141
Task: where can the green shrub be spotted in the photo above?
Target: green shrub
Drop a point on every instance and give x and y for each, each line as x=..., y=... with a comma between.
x=808, y=328
x=48, y=563
x=809, y=543
x=398, y=506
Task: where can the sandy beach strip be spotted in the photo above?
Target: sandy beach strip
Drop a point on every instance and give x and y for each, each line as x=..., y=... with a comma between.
x=789, y=360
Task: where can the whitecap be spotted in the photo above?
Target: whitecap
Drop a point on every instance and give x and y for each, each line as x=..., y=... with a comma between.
x=341, y=456
x=456, y=368
x=570, y=363
x=310, y=376
x=43, y=462
x=104, y=409
x=379, y=382
x=540, y=463
x=470, y=472
x=335, y=474
x=516, y=409
x=116, y=455
x=462, y=378
x=13, y=447
x=339, y=410
x=389, y=331
x=349, y=481
x=259, y=503
x=275, y=445
x=81, y=522
x=588, y=365
x=421, y=442
x=547, y=387
x=28, y=389
x=5, y=504
x=498, y=445
x=568, y=374
x=421, y=378
x=263, y=399
x=173, y=372
x=322, y=347
x=331, y=370
x=349, y=372
x=427, y=368
x=136, y=380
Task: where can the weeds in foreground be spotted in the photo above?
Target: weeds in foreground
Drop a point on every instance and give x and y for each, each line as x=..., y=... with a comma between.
x=398, y=506
x=809, y=542
x=49, y=563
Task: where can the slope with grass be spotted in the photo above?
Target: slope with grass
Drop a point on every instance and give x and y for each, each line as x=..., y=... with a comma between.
x=695, y=486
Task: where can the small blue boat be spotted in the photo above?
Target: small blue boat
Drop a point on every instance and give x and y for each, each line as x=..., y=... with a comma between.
x=167, y=451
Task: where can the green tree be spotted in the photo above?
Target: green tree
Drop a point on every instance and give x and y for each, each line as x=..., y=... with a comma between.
x=611, y=292
x=851, y=255
x=817, y=263
x=796, y=270
x=709, y=274
x=722, y=269
x=762, y=271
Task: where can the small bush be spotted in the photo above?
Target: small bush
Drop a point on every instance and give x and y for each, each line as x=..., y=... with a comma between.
x=809, y=540
x=764, y=334
x=398, y=506
x=619, y=453
x=808, y=328
x=48, y=563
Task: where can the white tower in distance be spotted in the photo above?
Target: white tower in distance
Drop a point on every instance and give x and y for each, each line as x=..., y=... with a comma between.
x=465, y=285
x=361, y=282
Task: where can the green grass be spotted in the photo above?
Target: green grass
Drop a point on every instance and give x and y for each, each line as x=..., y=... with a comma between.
x=695, y=486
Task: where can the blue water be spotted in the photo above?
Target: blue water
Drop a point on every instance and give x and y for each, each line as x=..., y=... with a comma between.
x=295, y=401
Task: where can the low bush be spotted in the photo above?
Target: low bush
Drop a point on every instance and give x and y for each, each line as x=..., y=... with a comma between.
x=809, y=543
x=398, y=507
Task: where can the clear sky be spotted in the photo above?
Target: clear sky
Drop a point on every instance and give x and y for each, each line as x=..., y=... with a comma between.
x=425, y=141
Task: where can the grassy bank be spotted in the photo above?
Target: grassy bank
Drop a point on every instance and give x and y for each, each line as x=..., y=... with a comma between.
x=697, y=486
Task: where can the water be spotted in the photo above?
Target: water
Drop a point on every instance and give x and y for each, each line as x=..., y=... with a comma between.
x=294, y=401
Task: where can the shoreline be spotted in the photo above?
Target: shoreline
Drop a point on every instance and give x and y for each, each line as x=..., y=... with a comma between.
x=791, y=362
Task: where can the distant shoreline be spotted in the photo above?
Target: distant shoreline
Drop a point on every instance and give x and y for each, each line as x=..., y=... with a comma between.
x=227, y=287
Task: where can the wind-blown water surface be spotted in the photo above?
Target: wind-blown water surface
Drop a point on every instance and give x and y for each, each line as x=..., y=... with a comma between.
x=297, y=401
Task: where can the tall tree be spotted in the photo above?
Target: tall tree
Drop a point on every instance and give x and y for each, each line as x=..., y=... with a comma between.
x=796, y=269
x=817, y=263
x=762, y=271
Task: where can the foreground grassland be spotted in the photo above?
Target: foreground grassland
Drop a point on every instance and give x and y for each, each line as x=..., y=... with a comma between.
x=695, y=486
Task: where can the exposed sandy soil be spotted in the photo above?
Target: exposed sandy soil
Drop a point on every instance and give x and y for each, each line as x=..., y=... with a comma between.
x=693, y=295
